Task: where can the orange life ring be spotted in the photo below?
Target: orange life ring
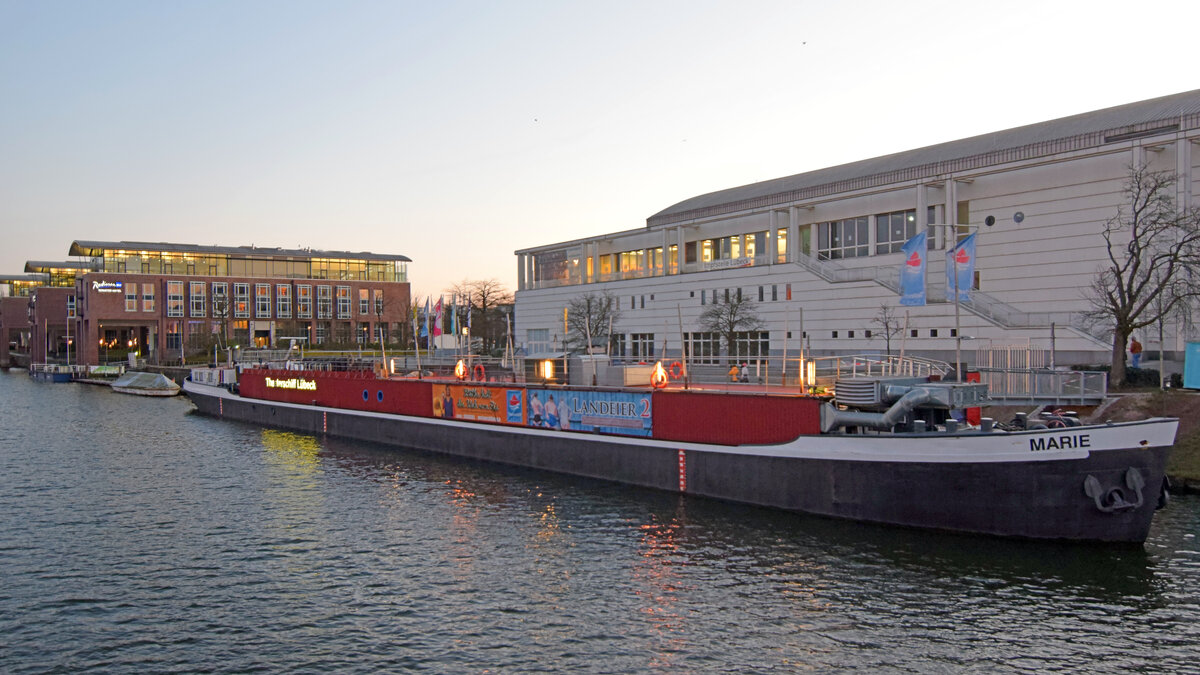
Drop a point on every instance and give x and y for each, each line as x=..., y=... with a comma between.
x=478, y=372
x=676, y=370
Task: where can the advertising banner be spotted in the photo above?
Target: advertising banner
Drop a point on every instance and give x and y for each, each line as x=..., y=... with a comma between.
x=960, y=270
x=473, y=402
x=605, y=412
x=912, y=271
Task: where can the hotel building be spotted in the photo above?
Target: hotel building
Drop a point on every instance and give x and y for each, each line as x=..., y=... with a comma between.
x=819, y=252
x=164, y=300
x=24, y=327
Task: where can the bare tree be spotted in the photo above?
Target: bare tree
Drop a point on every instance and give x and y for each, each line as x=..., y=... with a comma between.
x=889, y=324
x=592, y=314
x=1153, y=249
x=738, y=315
x=486, y=299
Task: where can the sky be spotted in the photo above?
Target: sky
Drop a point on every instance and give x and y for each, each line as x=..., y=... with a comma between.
x=455, y=133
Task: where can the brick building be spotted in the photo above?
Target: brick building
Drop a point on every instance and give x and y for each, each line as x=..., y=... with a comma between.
x=166, y=300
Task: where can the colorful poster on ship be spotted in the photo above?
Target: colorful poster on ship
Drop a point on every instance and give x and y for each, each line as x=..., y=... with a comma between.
x=605, y=412
x=467, y=402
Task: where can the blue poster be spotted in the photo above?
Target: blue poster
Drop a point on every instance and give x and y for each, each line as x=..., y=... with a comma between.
x=912, y=272
x=514, y=407
x=960, y=270
x=624, y=413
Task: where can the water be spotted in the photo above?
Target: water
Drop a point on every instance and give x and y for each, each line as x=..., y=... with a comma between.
x=138, y=537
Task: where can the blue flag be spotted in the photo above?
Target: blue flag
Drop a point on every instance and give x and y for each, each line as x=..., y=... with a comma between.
x=912, y=271
x=425, y=330
x=960, y=270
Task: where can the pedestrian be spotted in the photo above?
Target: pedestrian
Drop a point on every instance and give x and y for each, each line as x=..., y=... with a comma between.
x=745, y=372
x=1135, y=350
x=733, y=373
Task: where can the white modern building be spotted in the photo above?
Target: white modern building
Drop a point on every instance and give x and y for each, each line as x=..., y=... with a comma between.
x=822, y=249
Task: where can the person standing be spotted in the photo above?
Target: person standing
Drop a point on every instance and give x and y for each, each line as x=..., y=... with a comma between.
x=1135, y=351
x=733, y=373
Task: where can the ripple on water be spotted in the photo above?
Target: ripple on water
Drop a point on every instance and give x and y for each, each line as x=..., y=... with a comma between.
x=135, y=536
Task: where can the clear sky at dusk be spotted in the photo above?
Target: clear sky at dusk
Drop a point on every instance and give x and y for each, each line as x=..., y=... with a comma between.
x=457, y=132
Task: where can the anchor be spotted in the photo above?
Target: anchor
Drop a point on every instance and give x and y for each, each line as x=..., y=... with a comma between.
x=1113, y=500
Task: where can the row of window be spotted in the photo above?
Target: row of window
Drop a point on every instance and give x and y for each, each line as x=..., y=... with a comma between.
x=222, y=306
x=736, y=294
x=912, y=332
x=703, y=348
x=346, y=270
x=200, y=332
x=855, y=238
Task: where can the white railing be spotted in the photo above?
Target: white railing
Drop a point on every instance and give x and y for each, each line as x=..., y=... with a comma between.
x=1045, y=385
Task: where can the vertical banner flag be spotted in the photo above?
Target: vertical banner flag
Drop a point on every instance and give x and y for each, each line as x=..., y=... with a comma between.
x=912, y=271
x=454, y=314
x=960, y=270
x=425, y=330
x=438, y=316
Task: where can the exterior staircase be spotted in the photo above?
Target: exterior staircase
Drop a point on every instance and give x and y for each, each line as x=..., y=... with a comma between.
x=981, y=304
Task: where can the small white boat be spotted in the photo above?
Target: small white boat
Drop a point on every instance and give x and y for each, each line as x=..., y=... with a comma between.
x=145, y=384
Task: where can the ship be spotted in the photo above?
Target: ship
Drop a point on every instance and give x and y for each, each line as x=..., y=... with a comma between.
x=886, y=450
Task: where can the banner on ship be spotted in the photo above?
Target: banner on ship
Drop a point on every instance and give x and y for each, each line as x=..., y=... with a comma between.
x=623, y=413
x=476, y=402
x=960, y=270
x=912, y=271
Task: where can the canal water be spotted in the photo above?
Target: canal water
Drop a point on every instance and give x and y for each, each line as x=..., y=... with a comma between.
x=137, y=536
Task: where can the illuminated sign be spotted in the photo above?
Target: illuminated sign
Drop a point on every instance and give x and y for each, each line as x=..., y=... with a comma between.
x=106, y=286
x=294, y=383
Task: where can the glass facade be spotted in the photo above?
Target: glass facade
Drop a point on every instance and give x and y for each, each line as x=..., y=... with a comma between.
x=120, y=260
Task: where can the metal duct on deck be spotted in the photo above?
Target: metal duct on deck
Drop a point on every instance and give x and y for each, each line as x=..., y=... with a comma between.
x=832, y=418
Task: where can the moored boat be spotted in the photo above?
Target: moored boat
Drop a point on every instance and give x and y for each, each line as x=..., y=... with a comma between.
x=145, y=384
x=51, y=372
x=884, y=451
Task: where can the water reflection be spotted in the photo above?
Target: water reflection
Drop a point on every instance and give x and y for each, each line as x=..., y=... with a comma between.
x=218, y=546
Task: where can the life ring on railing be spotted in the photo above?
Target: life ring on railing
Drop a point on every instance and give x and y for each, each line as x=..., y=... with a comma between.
x=478, y=373
x=676, y=370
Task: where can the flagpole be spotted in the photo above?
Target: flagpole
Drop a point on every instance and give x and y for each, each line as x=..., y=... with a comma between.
x=957, y=328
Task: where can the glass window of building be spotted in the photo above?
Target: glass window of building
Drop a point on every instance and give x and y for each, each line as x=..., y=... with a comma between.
x=538, y=340
x=283, y=301
x=702, y=348
x=304, y=301
x=262, y=301
x=893, y=229
x=641, y=346
x=849, y=238
x=196, y=297
x=343, y=302
x=751, y=346
x=147, y=297
x=220, y=300
x=364, y=301
x=241, y=300
x=131, y=297
x=175, y=298
x=379, y=302
x=324, y=302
